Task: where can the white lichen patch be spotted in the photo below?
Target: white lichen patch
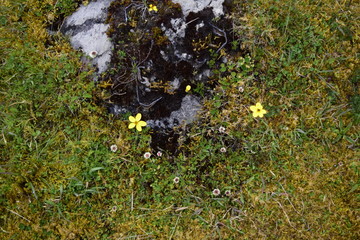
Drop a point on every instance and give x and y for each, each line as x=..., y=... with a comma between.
x=94, y=39
x=174, y=85
x=190, y=108
x=93, y=11
x=177, y=31
x=195, y=6
x=87, y=31
x=199, y=25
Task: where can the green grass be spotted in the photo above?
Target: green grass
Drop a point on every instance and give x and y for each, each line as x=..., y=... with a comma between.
x=292, y=174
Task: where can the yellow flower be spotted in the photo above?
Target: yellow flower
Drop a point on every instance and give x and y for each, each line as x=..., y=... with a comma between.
x=152, y=8
x=188, y=88
x=258, y=110
x=135, y=122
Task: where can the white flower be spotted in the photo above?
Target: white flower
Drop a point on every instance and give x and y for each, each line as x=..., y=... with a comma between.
x=147, y=155
x=93, y=54
x=159, y=154
x=216, y=192
x=228, y=193
x=113, y=209
x=176, y=180
x=113, y=148
x=223, y=150
x=241, y=89
x=222, y=129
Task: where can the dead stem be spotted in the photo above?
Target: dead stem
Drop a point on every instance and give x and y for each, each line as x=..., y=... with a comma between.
x=220, y=33
x=18, y=215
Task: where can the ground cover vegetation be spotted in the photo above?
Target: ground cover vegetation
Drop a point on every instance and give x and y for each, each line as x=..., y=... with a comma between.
x=69, y=170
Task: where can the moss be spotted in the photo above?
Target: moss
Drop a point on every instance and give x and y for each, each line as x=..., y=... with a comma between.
x=292, y=174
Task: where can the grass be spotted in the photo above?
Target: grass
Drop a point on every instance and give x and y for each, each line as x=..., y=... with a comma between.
x=292, y=174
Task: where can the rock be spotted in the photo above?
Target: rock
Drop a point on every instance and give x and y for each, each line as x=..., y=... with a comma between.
x=157, y=55
x=190, y=107
x=165, y=52
x=87, y=31
x=94, y=11
x=195, y=6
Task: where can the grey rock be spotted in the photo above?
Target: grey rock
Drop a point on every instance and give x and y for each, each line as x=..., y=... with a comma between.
x=190, y=107
x=195, y=6
x=93, y=11
x=87, y=32
x=177, y=31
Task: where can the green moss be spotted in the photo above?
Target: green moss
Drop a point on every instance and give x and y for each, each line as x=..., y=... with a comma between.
x=292, y=174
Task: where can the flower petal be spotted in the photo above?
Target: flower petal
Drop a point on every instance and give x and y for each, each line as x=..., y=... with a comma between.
x=131, y=125
x=256, y=114
x=138, y=117
x=258, y=105
x=253, y=108
x=131, y=119
x=138, y=127
x=262, y=112
x=142, y=123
